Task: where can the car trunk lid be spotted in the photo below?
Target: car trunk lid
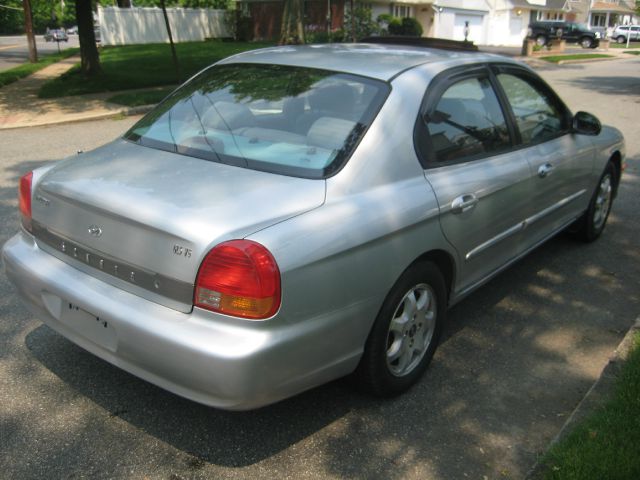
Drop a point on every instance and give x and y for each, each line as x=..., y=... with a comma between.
x=143, y=219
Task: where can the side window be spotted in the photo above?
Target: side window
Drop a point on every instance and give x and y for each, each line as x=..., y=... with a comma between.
x=467, y=121
x=537, y=116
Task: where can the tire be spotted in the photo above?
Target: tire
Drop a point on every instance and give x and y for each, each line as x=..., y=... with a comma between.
x=621, y=39
x=405, y=334
x=541, y=40
x=586, y=42
x=592, y=223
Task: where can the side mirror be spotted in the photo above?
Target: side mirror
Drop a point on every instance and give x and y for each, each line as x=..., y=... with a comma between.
x=586, y=124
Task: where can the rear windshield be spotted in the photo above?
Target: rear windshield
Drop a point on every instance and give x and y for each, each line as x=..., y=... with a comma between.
x=294, y=121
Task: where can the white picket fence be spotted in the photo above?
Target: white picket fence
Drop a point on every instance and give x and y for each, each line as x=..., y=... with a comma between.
x=130, y=26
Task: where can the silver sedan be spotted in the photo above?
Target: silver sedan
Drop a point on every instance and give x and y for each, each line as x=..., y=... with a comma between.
x=297, y=214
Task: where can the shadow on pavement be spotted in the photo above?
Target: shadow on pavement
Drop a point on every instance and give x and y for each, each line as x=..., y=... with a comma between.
x=515, y=359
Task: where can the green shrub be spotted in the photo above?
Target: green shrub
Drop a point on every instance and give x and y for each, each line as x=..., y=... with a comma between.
x=395, y=26
x=338, y=36
x=244, y=29
x=411, y=27
x=365, y=26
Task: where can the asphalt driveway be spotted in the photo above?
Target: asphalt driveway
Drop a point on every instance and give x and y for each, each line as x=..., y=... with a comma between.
x=516, y=358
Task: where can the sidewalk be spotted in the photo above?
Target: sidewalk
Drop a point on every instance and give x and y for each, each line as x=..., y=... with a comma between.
x=21, y=107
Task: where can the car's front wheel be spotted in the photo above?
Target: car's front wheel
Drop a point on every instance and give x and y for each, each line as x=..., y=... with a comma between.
x=592, y=223
x=405, y=334
x=621, y=39
x=586, y=42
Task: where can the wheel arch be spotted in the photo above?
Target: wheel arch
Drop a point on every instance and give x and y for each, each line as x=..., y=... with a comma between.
x=445, y=263
x=616, y=160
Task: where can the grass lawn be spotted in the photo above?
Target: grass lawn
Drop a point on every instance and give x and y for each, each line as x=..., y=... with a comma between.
x=633, y=52
x=142, y=66
x=607, y=444
x=624, y=45
x=578, y=56
x=26, y=69
x=144, y=97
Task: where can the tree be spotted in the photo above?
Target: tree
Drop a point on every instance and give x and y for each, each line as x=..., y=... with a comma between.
x=28, y=26
x=173, y=47
x=11, y=17
x=90, y=59
x=292, y=31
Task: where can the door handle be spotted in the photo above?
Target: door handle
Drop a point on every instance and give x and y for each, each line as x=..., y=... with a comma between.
x=545, y=170
x=464, y=203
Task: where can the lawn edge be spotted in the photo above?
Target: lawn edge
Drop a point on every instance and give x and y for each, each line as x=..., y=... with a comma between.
x=595, y=397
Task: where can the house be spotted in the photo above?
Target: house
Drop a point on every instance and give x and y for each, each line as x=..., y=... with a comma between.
x=604, y=15
x=486, y=22
x=510, y=18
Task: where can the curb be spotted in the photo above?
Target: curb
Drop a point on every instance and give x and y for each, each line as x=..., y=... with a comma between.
x=587, y=60
x=595, y=396
x=139, y=110
x=125, y=111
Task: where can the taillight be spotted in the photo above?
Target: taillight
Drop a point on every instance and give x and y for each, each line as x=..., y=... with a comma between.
x=24, y=199
x=239, y=278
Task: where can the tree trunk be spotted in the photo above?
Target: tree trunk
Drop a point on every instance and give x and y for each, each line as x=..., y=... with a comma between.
x=353, y=20
x=173, y=47
x=28, y=27
x=292, y=31
x=90, y=60
x=124, y=3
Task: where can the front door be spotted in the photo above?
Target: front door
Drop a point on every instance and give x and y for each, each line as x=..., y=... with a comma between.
x=561, y=162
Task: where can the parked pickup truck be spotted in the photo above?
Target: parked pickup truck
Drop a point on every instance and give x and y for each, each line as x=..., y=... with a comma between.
x=545, y=32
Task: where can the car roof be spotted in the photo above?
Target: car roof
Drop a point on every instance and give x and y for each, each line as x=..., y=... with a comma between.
x=378, y=61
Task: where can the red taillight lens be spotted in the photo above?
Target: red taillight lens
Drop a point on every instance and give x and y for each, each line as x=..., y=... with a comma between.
x=24, y=199
x=239, y=278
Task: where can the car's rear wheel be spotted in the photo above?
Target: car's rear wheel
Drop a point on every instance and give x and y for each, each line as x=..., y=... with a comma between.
x=586, y=42
x=621, y=39
x=541, y=40
x=592, y=223
x=405, y=334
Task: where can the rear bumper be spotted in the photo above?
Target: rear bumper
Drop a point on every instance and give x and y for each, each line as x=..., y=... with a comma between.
x=211, y=359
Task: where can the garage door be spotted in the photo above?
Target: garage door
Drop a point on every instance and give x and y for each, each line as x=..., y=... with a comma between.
x=475, y=27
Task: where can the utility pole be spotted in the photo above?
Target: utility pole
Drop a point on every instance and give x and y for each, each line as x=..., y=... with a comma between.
x=28, y=26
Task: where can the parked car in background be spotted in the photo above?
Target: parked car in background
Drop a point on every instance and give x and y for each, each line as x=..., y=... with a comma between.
x=296, y=214
x=622, y=32
x=56, y=35
x=547, y=31
x=72, y=30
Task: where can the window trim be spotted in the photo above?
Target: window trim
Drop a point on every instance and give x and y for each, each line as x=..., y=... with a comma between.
x=437, y=87
x=443, y=80
x=538, y=82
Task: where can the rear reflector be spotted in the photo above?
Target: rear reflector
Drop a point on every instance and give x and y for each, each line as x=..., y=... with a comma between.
x=24, y=199
x=239, y=278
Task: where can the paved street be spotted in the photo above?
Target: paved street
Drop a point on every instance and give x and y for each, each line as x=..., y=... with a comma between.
x=516, y=358
x=14, y=50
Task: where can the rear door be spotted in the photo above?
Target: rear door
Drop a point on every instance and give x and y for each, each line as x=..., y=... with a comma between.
x=465, y=145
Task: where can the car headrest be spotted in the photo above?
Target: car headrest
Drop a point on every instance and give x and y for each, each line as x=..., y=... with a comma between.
x=228, y=116
x=329, y=132
x=337, y=99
